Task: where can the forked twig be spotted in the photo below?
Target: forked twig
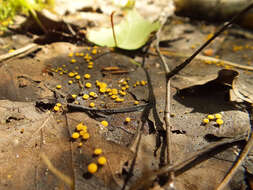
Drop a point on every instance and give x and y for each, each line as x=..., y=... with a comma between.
x=223, y=28
x=181, y=164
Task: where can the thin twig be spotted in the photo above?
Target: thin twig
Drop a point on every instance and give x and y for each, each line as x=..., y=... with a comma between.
x=56, y=172
x=243, y=154
x=211, y=60
x=225, y=26
x=167, y=99
x=17, y=52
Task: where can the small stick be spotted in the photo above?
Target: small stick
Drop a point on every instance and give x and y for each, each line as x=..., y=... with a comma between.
x=167, y=100
x=18, y=51
x=56, y=172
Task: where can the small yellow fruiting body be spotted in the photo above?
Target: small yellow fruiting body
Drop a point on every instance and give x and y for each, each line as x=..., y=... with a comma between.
x=92, y=168
x=90, y=66
x=92, y=104
x=143, y=83
x=123, y=93
x=218, y=116
x=88, y=85
x=128, y=119
x=78, y=77
x=74, y=96
x=219, y=121
x=210, y=117
x=102, y=90
x=58, y=86
x=82, y=132
x=75, y=135
x=86, y=96
x=71, y=74
x=102, y=160
x=114, y=91
x=97, y=151
x=86, y=76
x=79, y=127
x=58, y=104
x=94, y=51
x=80, y=144
x=71, y=54
x=114, y=96
x=93, y=94
x=86, y=136
x=104, y=123
x=56, y=108
x=205, y=121
x=73, y=61
x=119, y=100
x=136, y=102
x=70, y=82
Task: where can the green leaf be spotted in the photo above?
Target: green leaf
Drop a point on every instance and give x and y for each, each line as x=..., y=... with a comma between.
x=132, y=33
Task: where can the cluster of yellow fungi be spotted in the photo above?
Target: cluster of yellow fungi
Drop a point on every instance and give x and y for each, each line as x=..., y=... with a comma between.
x=116, y=94
x=216, y=117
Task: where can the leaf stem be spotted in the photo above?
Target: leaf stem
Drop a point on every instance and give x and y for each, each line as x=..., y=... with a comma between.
x=113, y=31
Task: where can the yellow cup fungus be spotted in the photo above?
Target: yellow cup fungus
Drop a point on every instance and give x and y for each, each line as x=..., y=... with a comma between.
x=86, y=96
x=88, y=85
x=93, y=94
x=74, y=96
x=119, y=100
x=56, y=108
x=92, y=105
x=86, y=136
x=73, y=61
x=71, y=74
x=70, y=82
x=219, y=121
x=97, y=151
x=75, y=135
x=205, y=121
x=58, y=104
x=90, y=66
x=58, y=86
x=210, y=117
x=81, y=127
x=114, y=91
x=92, y=168
x=80, y=144
x=102, y=160
x=128, y=119
x=136, y=102
x=77, y=77
x=104, y=123
x=218, y=116
x=86, y=76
